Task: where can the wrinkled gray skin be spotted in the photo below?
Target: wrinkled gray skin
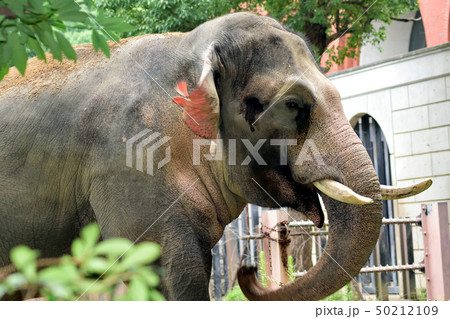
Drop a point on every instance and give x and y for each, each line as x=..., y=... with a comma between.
x=62, y=153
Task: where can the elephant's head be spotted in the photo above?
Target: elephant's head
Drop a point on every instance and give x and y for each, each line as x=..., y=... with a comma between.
x=257, y=81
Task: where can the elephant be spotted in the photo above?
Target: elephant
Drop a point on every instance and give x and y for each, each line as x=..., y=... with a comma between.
x=72, y=152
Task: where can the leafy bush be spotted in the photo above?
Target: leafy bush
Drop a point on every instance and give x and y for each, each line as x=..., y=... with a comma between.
x=93, y=267
x=291, y=269
x=262, y=273
x=235, y=294
x=344, y=294
x=40, y=25
x=167, y=15
x=78, y=36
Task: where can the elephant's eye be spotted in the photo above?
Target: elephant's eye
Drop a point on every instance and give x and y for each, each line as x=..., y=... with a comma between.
x=252, y=107
x=292, y=105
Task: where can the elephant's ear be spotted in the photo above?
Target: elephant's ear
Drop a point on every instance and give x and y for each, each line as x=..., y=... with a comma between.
x=202, y=105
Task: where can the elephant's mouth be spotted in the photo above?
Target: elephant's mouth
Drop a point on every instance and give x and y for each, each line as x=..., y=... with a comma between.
x=332, y=189
x=309, y=203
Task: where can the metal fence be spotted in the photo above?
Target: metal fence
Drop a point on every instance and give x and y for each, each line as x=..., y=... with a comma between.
x=244, y=238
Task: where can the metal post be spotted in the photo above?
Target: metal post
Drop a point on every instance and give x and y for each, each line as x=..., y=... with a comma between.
x=216, y=273
x=276, y=246
x=251, y=231
x=226, y=276
x=407, y=257
x=231, y=241
x=436, y=242
x=381, y=285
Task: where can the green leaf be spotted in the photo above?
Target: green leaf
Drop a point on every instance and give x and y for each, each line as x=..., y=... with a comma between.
x=118, y=26
x=149, y=277
x=111, y=35
x=25, y=30
x=3, y=71
x=78, y=248
x=44, y=26
x=16, y=6
x=88, y=286
x=66, y=46
x=66, y=260
x=19, y=54
x=30, y=271
x=5, y=52
x=57, y=291
x=100, y=16
x=140, y=254
x=22, y=256
x=3, y=290
x=58, y=24
x=90, y=235
x=155, y=295
x=97, y=265
x=73, y=16
x=64, y=5
x=88, y=3
x=50, y=43
x=37, y=6
x=113, y=247
x=63, y=274
x=137, y=290
x=15, y=281
x=99, y=42
x=35, y=46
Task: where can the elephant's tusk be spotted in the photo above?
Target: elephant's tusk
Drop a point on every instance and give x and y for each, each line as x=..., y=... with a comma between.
x=341, y=192
x=395, y=192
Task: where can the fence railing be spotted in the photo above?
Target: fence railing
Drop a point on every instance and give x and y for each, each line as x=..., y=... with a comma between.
x=269, y=231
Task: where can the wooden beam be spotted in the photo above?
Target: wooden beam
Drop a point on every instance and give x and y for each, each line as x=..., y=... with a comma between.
x=276, y=246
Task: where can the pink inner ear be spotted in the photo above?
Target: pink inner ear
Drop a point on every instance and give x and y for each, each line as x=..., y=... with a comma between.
x=181, y=88
x=198, y=110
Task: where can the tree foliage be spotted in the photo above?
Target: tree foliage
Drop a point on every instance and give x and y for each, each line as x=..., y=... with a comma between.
x=159, y=16
x=92, y=268
x=42, y=25
x=324, y=21
x=39, y=26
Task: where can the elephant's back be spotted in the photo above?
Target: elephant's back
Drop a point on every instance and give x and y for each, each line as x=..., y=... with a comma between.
x=52, y=73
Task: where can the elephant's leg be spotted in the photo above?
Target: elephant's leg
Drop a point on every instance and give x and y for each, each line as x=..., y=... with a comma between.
x=139, y=216
x=187, y=269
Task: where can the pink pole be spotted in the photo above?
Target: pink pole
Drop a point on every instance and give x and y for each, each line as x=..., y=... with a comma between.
x=276, y=247
x=436, y=242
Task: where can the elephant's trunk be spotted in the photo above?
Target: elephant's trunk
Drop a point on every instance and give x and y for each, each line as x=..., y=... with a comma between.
x=353, y=231
x=352, y=236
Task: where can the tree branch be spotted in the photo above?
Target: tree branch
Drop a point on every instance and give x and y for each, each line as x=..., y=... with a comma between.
x=40, y=263
x=357, y=3
x=338, y=28
x=406, y=19
x=5, y=11
x=336, y=35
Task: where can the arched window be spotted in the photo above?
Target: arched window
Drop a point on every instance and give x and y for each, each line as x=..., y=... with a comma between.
x=375, y=143
x=417, y=39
